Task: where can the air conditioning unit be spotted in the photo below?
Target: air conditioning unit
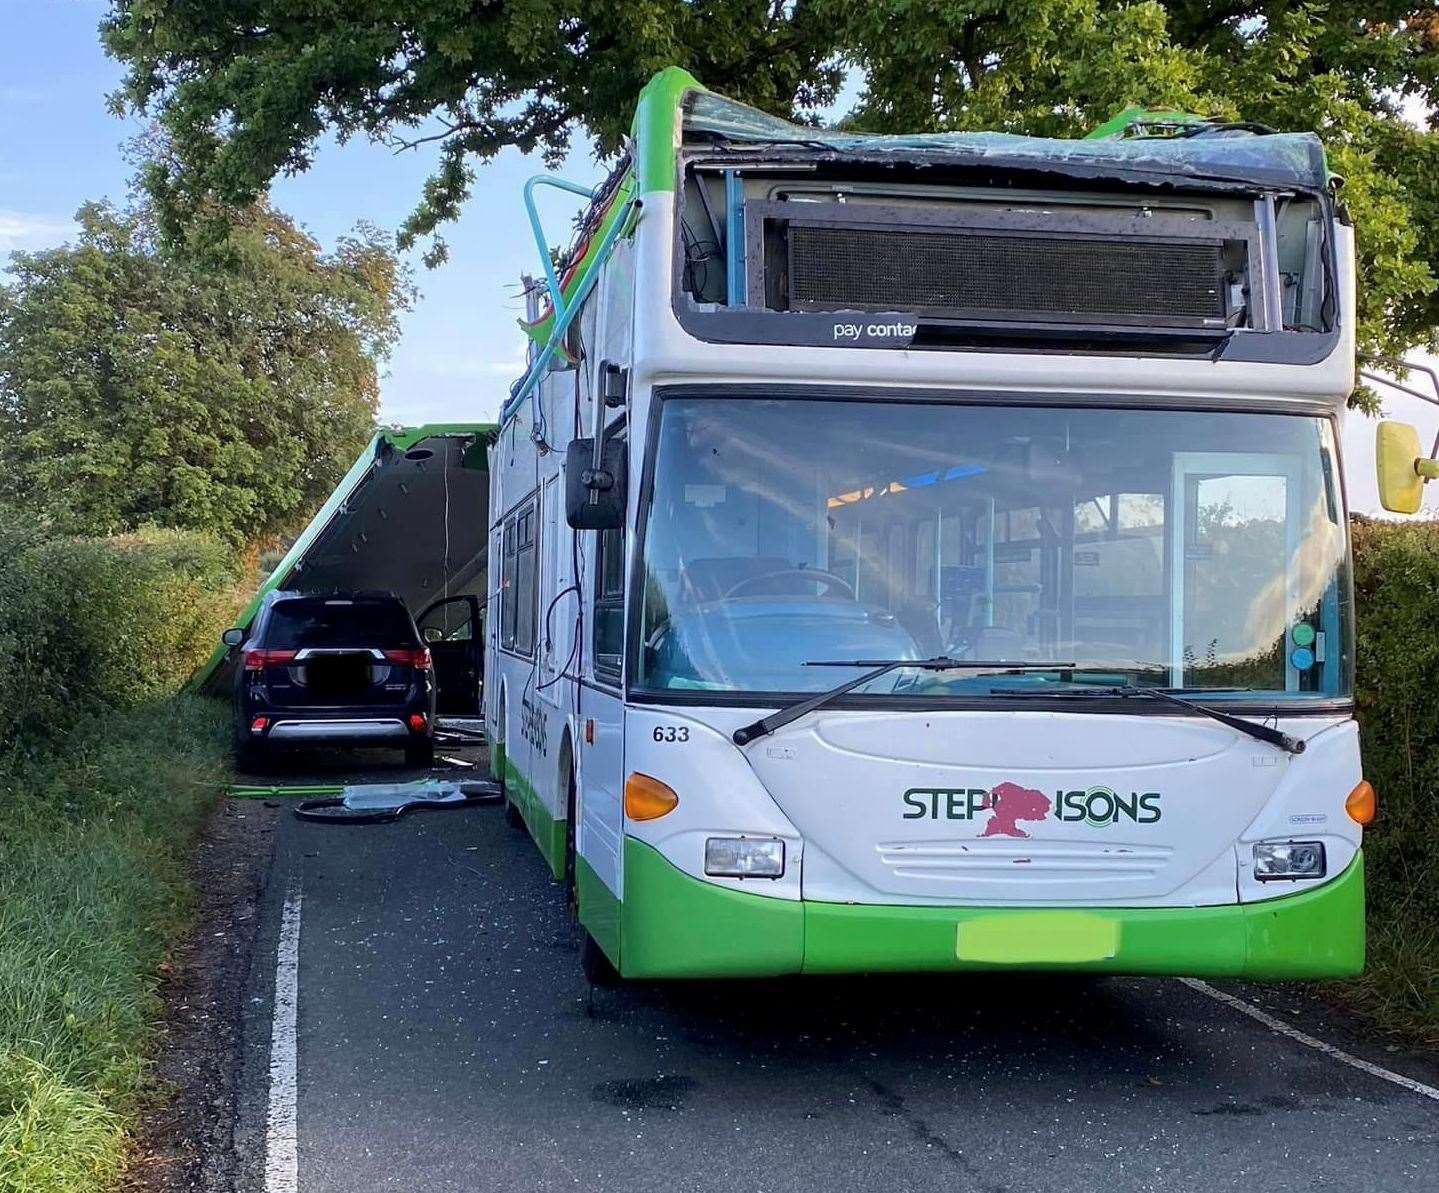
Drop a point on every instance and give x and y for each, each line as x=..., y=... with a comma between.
x=1041, y=269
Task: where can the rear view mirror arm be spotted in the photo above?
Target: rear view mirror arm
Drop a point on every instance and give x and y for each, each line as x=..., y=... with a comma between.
x=1400, y=366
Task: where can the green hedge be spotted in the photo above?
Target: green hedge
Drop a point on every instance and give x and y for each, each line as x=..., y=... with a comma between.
x=105, y=776
x=1396, y=581
x=94, y=624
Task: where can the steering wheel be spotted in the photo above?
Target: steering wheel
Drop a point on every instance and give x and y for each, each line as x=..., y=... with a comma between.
x=832, y=583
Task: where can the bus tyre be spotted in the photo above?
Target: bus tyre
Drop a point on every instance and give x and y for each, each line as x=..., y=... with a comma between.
x=572, y=885
x=599, y=971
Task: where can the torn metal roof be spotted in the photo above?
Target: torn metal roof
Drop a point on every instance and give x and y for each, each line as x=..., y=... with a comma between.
x=1214, y=154
x=410, y=517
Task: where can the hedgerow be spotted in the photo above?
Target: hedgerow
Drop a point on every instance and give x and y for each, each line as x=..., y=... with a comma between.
x=1396, y=582
x=105, y=776
x=93, y=624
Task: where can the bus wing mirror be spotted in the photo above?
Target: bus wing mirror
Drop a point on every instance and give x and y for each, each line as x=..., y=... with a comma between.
x=595, y=493
x=1401, y=466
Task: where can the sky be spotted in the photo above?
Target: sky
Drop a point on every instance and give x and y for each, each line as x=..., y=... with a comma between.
x=460, y=348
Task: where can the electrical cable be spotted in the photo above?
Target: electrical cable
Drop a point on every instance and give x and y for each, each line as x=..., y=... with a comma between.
x=564, y=671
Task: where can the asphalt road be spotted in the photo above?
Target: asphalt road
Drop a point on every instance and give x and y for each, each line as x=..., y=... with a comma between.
x=447, y=1041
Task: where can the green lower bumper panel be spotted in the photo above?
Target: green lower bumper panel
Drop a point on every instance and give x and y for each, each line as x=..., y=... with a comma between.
x=549, y=833
x=673, y=925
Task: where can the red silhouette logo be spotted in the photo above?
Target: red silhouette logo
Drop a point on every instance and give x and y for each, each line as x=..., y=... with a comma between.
x=1012, y=803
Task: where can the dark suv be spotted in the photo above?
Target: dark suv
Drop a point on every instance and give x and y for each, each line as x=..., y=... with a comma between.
x=339, y=669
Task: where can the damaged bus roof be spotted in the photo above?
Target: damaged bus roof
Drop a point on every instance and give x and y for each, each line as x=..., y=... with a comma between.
x=1125, y=149
x=409, y=517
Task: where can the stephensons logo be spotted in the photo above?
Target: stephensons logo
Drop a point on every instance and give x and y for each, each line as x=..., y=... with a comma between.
x=1008, y=804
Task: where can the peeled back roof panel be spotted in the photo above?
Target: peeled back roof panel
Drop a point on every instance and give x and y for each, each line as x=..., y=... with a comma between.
x=1274, y=160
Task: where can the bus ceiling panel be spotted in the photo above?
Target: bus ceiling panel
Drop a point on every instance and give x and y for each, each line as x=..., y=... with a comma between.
x=382, y=526
x=415, y=527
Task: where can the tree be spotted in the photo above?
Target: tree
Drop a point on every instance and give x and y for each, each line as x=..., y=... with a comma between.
x=142, y=384
x=247, y=87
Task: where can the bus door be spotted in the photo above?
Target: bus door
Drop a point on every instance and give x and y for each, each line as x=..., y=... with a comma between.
x=1234, y=516
x=556, y=608
x=601, y=818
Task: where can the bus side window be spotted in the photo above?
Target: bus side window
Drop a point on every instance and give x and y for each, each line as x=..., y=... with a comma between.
x=517, y=581
x=526, y=566
x=507, y=587
x=610, y=603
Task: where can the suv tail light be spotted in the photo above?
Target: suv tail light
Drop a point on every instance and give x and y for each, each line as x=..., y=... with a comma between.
x=416, y=656
x=258, y=660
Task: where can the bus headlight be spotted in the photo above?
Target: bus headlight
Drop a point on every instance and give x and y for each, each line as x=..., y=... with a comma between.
x=1288, y=859
x=744, y=857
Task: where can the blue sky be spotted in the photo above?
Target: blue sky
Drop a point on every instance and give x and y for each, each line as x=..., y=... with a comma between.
x=59, y=147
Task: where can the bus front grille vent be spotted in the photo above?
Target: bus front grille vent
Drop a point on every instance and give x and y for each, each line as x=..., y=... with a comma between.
x=984, y=274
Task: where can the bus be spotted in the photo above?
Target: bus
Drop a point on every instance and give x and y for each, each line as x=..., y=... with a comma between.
x=929, y=553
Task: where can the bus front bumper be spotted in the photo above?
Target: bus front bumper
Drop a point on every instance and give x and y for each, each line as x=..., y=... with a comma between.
x=671, y=925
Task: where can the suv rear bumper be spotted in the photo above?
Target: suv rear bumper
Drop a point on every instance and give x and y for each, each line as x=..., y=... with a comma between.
x=673, y=925
x=340, y=729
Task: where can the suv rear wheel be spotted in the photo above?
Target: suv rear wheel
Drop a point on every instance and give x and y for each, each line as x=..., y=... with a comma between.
x=250, y=754
x=252, y=757
x=420, y=752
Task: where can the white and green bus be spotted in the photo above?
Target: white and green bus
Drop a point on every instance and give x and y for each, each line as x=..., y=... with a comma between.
x=929, y=553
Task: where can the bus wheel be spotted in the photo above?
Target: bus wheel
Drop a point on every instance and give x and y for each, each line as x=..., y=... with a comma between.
x=572, y=886
x=599, y=970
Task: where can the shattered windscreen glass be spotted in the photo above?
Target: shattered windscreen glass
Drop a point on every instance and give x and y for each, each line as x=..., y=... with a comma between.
x=376, y=803
x=1279, y=159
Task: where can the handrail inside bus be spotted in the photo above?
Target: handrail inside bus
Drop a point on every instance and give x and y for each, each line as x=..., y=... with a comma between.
x=557, y=297
x=564, y=312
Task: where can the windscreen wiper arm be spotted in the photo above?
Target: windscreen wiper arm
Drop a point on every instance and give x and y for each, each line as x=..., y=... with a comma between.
x=877, y=667
x=1275, y=737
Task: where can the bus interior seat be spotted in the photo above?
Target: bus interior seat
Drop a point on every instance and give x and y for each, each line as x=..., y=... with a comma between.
x=919, y=618
x=995, y=642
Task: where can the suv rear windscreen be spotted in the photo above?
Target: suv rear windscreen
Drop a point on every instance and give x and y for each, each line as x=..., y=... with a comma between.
x=298, y=625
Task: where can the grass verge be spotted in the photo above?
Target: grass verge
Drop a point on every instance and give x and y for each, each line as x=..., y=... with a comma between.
x=93, y=849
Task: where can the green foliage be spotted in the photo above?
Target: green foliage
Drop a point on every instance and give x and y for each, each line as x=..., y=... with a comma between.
x=105, y=776
x=93, y=848
x=246, y=88
x=1396, y=581
x=92, y=624
x=218, y=385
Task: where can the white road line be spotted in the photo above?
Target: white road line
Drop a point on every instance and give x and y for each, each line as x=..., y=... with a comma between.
x=282, y=1157
x=1329, y=1050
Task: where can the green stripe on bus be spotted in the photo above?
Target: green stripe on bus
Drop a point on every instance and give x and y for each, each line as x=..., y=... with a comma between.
x=600, y=910
x=675, y=925
x=656, y=127
x=548, y=832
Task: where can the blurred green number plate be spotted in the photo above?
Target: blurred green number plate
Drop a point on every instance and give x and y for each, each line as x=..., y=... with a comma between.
x=1038, y=938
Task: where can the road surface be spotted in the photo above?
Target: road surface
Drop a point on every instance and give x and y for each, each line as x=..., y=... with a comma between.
x=444, y=1039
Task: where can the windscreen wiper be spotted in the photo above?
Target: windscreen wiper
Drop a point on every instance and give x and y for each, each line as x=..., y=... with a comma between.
x=1275, y=737
x=876, y=667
